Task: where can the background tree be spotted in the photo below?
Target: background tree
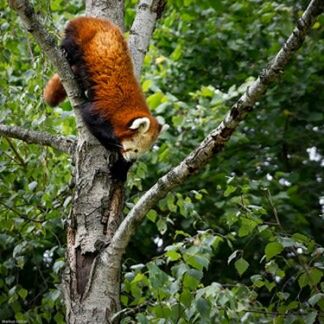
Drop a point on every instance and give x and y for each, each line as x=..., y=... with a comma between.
x=244, y=199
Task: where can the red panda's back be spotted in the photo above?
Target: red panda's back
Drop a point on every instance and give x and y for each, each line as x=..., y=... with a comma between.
x=109, y=66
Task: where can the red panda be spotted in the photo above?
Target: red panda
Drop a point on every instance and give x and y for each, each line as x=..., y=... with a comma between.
x=116, y=113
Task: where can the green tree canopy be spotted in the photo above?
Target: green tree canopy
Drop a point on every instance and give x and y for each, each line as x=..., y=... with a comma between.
x=242, y=239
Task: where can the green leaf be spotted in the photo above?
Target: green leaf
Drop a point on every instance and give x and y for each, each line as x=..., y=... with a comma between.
x=207, y=91
x=303, y=280
x=162, y=225
x=310, y=318
x=20, y=318
x=316, y=116
x=152, y=215
x=23, y=293
x=316, y=298
x=140, y=277
x=186, y=297
x=312, y=278
x=197, y=261
x=19, y=249
x=272, y=249
x=158, y=278
x=142, y=319
x=315, y=276
x=162, y=311
x=203, y=307
x=124, y=300
x=241, y=266
x=146, y=85
x=58, y=265
x=293, y=305
x=59, y=318
x=173, y=255
x=269, y=285
x=230, y=189
x=190, y=282
x=176, y=54
x=170, y=199
x=155, y=100
x=257, y=280
x=247, y=226
x=177, y=120
x=54, y=294
x=20, y=261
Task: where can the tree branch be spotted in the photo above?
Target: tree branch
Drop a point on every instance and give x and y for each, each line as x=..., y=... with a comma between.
x=140, y=34
x=60, y=143
x=48, y=44
x=112, y=9
x=216, y=140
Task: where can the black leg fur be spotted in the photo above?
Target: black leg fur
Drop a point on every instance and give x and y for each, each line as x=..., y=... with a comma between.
x=120, y=169
x=99, y=127
x=104, y=132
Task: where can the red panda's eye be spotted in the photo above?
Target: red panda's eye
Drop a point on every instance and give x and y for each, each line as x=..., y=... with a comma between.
x=136, y=151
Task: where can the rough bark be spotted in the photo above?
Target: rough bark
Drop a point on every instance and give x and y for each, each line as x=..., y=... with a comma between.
x=110, y=9
x=140, y=34
x=91, y=291
x=60, y=143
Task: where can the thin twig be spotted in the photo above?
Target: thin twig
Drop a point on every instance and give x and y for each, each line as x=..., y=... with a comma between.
x=275, y=213
x=20, y=215
x=20, y=159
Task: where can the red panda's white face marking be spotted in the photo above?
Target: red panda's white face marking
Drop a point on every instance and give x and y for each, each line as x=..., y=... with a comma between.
x=141, y=141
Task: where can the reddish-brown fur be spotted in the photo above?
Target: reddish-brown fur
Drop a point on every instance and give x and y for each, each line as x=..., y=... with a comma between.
x=117, y=95
x=54, y=92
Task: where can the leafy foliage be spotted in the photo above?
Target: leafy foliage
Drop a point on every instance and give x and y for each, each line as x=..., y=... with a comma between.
x=175, y=286
x=240, y=241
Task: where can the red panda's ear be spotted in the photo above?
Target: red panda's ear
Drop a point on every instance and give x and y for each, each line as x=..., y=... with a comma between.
x=142, y=124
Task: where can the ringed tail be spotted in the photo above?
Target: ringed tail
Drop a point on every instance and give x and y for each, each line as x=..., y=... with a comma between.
x=54, y=92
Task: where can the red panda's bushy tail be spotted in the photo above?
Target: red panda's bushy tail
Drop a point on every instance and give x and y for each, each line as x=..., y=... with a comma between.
x=54, y=92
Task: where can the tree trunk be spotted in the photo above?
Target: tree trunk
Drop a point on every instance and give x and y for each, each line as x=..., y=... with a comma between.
x=92, y=279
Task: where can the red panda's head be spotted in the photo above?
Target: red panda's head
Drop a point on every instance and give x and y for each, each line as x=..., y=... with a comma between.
x=145, y=131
